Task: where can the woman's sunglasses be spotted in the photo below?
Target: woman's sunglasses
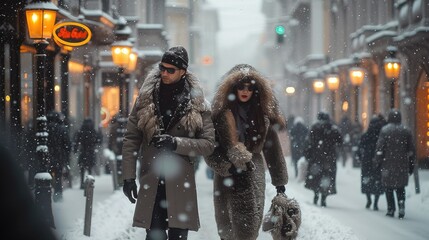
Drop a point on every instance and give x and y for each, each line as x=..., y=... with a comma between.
x=249, y=87
x=162, y=68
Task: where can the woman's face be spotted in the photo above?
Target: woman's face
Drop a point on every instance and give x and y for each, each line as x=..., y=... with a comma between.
x=245, y=91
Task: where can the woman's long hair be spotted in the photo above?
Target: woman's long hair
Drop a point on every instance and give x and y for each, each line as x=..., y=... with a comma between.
x=255, y=119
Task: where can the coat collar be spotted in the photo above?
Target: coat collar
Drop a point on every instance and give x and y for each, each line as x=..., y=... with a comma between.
x=145, y=106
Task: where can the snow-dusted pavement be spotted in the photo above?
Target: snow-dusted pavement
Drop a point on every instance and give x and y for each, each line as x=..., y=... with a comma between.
x=344, y=218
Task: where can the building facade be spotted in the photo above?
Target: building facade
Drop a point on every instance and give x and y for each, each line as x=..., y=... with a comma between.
x=333, y=36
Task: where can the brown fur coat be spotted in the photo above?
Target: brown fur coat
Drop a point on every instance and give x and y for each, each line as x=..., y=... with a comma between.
x=239, y=199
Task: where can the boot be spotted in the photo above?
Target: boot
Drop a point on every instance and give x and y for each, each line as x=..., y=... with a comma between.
x=323, y=202
x=376, y=202
x=316, y=198
x=401, y=210
x=368, y=201
x=390, y=213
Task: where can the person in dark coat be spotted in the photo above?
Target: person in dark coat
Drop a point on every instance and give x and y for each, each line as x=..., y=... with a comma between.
x=168, y=128
x=395, y=156
x=298, y=133
x=22, y=217
x=321, y=153
x=370, y=176
x=59, y=147
x=86, y=140
x=247, y=118
x=346, y=127
x=355, y=136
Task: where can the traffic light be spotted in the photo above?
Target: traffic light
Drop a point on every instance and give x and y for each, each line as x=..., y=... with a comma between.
x=280, y=32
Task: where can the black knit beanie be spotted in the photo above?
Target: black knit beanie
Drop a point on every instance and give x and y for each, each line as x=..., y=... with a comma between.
x=177, y=56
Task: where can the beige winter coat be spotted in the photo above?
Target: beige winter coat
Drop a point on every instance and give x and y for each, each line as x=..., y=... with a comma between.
x=194, y=134
x=239, y=199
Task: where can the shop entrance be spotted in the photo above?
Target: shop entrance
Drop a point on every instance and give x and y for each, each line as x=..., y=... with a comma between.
x=422, y=121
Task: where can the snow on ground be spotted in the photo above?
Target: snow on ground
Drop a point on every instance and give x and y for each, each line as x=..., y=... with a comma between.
x=344, y=218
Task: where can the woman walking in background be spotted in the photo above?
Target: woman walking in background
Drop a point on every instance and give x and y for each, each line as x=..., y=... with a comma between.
x=370, y=176
x=86, y=140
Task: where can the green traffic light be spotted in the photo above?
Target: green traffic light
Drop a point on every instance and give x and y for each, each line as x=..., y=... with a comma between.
x=280, y=30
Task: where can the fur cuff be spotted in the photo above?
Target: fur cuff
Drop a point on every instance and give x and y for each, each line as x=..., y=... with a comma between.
x=239, y=156
x=218, y=165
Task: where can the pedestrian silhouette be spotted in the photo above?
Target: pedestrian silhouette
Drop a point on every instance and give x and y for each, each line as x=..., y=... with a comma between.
x=298, y=133
x=59, y=147
x=86, y=141
x=321, y=152
x=370, y=176
x=395, y=156
x=345, y=127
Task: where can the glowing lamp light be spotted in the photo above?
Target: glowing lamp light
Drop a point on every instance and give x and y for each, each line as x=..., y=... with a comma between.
x=121, y=51
x=392, y=68
x=132, y=64
x=357, y=76
x=40, y=19
x=333, y=82
x=318, y=86
x=392, y=65
x=290, y=90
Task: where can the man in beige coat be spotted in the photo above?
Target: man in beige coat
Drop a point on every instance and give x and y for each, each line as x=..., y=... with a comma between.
x=169, y=126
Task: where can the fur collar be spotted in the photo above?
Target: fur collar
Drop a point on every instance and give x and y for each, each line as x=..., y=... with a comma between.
x=148, y=121
x=269, y=103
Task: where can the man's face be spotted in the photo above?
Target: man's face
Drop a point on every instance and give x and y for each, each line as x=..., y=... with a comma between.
x=170, y=73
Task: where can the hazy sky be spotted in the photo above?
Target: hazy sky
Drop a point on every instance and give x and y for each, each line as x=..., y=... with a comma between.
x=238, y=19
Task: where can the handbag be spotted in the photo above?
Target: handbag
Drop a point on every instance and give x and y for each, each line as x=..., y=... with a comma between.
x=283, y=218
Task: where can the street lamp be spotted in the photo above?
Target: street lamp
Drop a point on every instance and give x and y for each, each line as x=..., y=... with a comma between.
x=121, y=51
x=41, y=17
x=131, y=67
x=318, y=88
x=357, y=76
x=289, y=91
x=333, y=82
x=392, y=69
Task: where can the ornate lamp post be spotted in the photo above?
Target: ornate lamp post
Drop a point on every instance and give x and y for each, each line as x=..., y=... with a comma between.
x=333, y=82
x=319, y=88
x=41, y=17
x=121, y=51
x=392, y=69
x=357, y=76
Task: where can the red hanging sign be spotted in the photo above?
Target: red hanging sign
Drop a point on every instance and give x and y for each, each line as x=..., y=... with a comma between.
x=72, y=34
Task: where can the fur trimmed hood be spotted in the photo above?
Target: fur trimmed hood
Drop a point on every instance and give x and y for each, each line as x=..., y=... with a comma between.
x=145, y=105
x=269, y=102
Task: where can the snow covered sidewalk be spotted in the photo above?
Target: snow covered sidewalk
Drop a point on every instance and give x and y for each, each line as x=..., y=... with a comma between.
x=344, y=218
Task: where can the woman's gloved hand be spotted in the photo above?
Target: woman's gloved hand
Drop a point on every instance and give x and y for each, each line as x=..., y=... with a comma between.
x=281, y=189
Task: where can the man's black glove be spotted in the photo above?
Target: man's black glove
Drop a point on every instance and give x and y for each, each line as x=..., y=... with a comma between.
x=130, y=189
x=164, y=141
x=281, y=189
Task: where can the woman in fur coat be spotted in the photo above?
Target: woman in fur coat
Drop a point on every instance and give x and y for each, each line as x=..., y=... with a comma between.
x=246, y=116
